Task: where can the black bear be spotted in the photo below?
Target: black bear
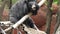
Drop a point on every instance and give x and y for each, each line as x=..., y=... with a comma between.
x=21, y=8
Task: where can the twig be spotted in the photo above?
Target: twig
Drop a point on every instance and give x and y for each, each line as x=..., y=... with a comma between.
x=2, y=31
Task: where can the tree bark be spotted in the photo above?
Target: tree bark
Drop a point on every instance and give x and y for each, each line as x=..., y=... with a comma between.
x=1, y=9
x=4, y=2
x=58, y=18
x=49, y=16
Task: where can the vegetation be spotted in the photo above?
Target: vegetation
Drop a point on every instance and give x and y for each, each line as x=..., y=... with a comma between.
x=55, y=1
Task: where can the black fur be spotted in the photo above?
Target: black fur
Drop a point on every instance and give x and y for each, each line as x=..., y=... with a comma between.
x=18, y=10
